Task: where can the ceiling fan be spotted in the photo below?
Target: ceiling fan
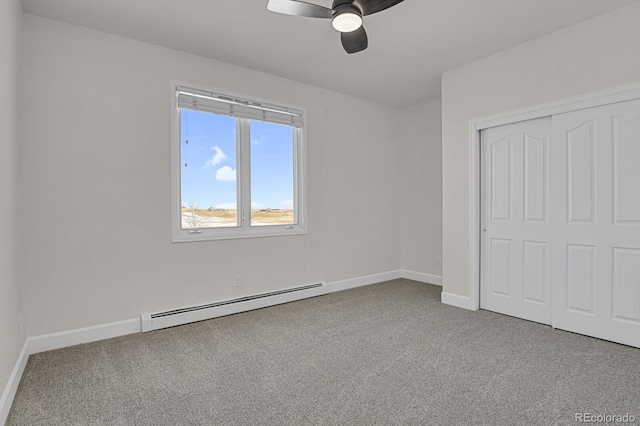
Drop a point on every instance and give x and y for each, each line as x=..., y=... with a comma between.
x=346, y=16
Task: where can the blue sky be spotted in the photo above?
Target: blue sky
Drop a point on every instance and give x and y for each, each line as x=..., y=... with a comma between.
x=209, y=177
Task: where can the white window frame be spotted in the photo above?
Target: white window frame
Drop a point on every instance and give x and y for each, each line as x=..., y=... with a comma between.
x=243, y=182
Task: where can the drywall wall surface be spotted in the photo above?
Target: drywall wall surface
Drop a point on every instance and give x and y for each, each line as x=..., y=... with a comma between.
x=97, y=184
x=421, y=186
x=11, y=298
x=590, y=56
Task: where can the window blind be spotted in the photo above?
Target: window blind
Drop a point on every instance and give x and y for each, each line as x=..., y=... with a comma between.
x=217, y=103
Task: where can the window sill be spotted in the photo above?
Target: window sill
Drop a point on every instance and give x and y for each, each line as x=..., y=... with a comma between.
x=236, y=233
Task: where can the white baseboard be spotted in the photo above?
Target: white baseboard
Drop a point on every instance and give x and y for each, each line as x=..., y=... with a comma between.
x=364, y=280
x=422, y=277
x=63, y=339
x=12, y=385
x=456, y=300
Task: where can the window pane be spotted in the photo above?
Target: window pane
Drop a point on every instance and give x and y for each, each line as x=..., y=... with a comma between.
x=208, y=170
x=271, y=174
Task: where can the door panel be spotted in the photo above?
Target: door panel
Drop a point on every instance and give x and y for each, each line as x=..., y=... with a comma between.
x=535, y=178
x=580, y=170
x=515, y=253
x=626, y=285
x=626, y=173
x=596, y=221
x=501, y=180
x=500, y=267
x=580, y=278
x=534, y=271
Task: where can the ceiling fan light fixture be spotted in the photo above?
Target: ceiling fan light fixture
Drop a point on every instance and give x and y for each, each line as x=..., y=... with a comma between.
x=347, y=21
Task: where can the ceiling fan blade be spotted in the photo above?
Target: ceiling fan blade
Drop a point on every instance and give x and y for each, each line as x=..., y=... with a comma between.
x=373, y=6
x=299, y=8
x=355, y=41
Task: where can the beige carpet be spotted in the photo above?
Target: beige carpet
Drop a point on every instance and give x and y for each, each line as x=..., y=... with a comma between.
x=389, y=353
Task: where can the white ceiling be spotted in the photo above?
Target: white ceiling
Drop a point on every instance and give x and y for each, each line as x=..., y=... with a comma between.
x=410, y=45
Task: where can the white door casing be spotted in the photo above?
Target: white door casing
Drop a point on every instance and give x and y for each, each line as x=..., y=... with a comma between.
x=515, y=220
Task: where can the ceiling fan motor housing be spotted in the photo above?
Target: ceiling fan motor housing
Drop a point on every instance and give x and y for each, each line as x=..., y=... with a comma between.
x=342, y=6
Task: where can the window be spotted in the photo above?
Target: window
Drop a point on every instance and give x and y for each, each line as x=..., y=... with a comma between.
x=237, y=166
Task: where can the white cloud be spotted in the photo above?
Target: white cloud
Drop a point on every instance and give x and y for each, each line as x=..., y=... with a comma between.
x=226, y=174
x=218, y=158
x=287, y=203
x=227, y=206
x=256, y=205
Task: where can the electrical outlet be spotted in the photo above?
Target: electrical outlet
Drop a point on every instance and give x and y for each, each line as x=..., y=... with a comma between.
x=237, y=281
x=438, y=261
x=19, y=325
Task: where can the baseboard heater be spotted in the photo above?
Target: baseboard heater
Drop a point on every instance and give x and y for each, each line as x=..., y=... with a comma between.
x=171, y=318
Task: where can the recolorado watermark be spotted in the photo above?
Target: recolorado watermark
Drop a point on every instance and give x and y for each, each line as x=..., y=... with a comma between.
x=604, y=418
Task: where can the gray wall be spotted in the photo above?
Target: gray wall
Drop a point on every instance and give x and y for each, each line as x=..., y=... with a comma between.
x=593, y=55
x=96, y=174
x=421, y=187
x=11, y=298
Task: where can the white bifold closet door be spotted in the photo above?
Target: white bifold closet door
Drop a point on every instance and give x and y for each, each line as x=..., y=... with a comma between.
x=596, y=231
x=516, y=229
x=560, y=239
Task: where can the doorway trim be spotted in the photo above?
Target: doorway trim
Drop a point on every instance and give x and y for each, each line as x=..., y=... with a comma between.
x=589, y=100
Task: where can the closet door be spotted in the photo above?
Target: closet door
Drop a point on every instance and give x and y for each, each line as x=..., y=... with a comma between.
x=515, y=220
x=596, y=222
